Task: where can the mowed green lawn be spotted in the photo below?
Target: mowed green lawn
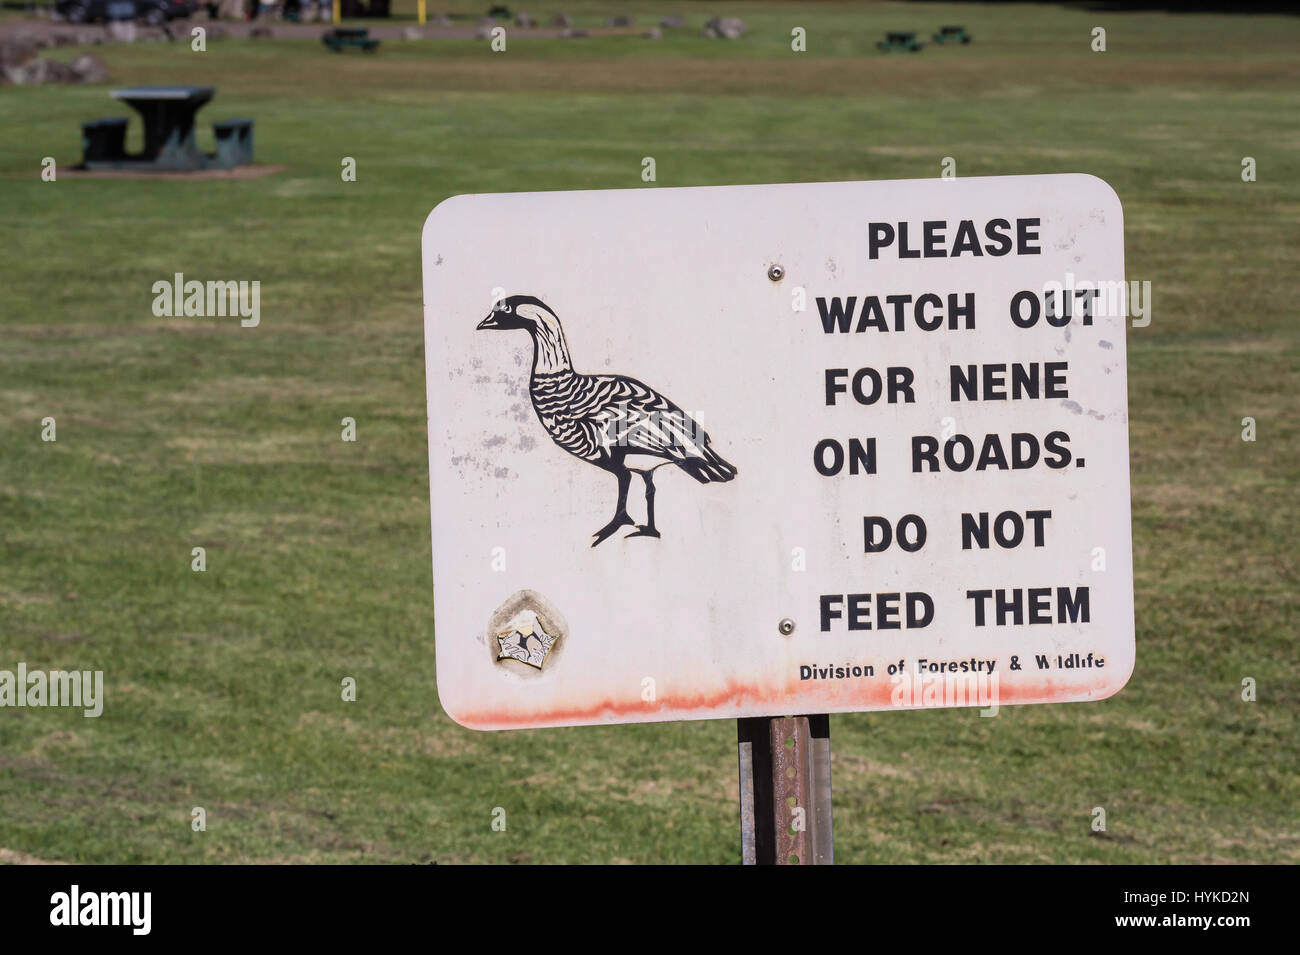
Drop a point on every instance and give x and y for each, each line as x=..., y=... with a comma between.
x=223, y=688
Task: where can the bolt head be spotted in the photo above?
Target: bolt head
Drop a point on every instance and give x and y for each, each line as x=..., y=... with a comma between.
x=786, y=627
x=776, y=273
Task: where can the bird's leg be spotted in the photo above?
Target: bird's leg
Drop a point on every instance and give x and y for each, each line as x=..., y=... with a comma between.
x=620, y=514
x=648, y=528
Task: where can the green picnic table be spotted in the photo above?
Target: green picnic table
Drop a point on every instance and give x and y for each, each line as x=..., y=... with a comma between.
x=169, y=143
x=898, y=40
x=342, y=37
x=952, y=35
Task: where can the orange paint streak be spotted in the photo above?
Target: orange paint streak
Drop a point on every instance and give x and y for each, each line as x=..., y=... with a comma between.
x=754, y=700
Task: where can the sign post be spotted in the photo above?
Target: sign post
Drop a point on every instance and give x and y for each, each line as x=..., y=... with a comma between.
x=734, y=452
x=785, y=790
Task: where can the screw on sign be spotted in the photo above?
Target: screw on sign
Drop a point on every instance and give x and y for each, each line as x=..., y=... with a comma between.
x=941, y=436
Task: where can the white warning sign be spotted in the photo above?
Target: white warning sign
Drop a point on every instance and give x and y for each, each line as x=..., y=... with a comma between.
x=759, y=450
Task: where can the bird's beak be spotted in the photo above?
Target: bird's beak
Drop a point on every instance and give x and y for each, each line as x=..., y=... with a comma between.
x=489, y=322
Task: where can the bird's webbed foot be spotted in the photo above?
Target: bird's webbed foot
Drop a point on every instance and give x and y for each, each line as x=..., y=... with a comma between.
x=621, y=519
x=643, y=530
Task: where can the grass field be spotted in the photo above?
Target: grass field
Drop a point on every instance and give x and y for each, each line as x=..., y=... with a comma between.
x=223, y=687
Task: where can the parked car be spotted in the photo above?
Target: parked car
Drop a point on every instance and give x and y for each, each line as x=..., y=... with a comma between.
x=153, y=12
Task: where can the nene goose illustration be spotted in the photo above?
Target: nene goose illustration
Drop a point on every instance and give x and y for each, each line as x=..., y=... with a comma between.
x=611, y=421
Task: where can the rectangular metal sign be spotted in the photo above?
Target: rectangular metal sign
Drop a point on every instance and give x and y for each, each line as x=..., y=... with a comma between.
x=759, y=450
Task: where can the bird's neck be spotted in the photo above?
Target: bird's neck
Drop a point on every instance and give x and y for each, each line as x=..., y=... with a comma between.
x=550, y=353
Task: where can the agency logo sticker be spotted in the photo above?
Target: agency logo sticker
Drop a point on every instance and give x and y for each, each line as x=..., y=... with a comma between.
x=526, y=641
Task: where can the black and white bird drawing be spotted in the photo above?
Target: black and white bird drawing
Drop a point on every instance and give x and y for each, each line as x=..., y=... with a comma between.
x=612, y=421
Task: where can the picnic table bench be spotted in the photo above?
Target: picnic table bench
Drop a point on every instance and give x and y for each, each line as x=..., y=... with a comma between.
x=169, y=143
x=341, y=37
x=952, y=35
x=897, y=40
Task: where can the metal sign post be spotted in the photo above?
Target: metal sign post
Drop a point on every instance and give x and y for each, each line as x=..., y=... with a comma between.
x=785, y=790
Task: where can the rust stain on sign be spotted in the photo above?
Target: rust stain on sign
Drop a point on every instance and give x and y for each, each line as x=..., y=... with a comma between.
x=766, y=701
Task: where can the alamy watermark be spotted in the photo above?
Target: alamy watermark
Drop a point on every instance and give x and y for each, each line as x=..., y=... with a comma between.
x=923, y=688
x=629, y=426
x=128, y=909
x=75, y=688
x=179, y=298
x=1086, y=300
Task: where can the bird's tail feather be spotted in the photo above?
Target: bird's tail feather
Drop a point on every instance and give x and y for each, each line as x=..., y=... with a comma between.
x=709, y=467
